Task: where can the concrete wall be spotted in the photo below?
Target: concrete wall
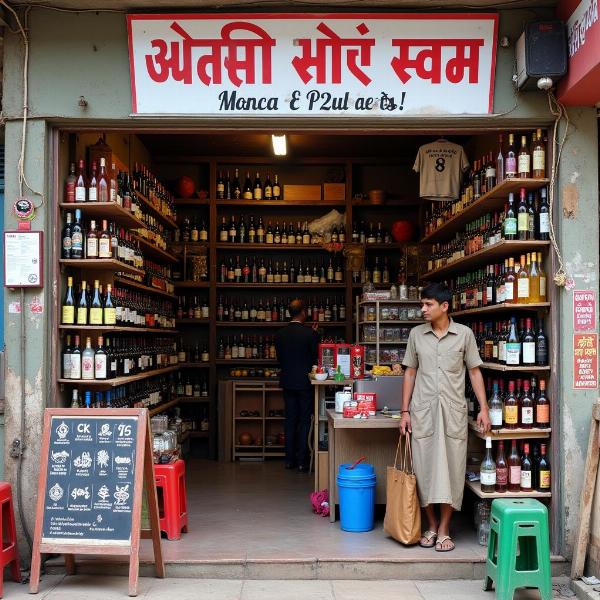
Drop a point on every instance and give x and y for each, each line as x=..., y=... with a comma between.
x=75, y=55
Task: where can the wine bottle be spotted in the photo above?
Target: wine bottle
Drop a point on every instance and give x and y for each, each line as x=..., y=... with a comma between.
x=496, y=408
x=513, y=344
x=103, y=184
x=526, y=409
x=67, y=353
x=529, y=345
x=276, y=188
x=522, y=216
x=75, y=371
x=110, y=309
x=104, y=241
x=542, y=408
x=543, y=468
x=544, y=216
x=68, y=307
x=539, y=157
x=501, y=469
x=96, y=306
x=488, y=469
x=81, y=183
x=92, y=193
x=514, y=468
x=87, y=360
x=92, y=241
x=511, y=408
x=541, y=345
x=511, y=158
x=257, y=192
x=526, y=470
x=77, y=236
x=524, y=160
x=510, y=219
x=100, y=360
x=82, y=306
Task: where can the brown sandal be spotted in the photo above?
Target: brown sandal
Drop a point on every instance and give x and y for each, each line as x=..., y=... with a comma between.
x=440, y=543
x=430, y=536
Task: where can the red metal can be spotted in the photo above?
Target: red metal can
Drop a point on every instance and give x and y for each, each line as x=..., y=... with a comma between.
x=358, y=362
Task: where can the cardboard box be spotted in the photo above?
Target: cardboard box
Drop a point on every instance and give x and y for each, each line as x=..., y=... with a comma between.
x=302, y=193
x=334, y=192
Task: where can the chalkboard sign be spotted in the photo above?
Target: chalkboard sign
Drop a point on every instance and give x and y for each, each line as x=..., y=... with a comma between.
x=95, y=463
x=91, y=474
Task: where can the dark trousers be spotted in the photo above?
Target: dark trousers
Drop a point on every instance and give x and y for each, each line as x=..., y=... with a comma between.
x=298, y=410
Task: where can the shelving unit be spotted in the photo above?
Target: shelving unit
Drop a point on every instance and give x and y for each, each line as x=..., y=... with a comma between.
x=104, y=210
x=511, y=434
x=503, y=307
x=108, y=383
x=100, y=264
x=475, y=487
x=513, y=368
x=118, y=329
x=144, y=288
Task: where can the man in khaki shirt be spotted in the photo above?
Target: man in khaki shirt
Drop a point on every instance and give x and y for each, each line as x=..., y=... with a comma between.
x=434, y=409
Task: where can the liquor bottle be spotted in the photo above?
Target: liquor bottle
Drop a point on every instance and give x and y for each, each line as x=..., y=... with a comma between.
x=490, y=174
x=257, y=192
x=510, y=219
x=247, y=193
x=87, y=360
x=66, y=367
x=92, y=191
x=104, y=241
x=510, y=283
x=522, y=216
x=524, y=160
x=487, y=471
x=110, y=309
x=92, y=241
x=75, y=371
x=514, y=468
x=511, y=158
x=544, y=478
x=75, y=399
x=77, y=236
x=544, y=216
x=531, y=216
x=82, y=306
x=194, y=232
x=501, y=469
x=523, y=282
x=96, y=306
x=539, y=157
x=81, y=184
x=220, y=186
x=534, y=280
x=103, y=184
x=496, y=408
x=268, y=188
x=68, y=306
x=526, y=470
x=529, y=345
x=526, y=410
x=511, y=408
x=541, y=345
x=513, y=344
x=499, y=162
x=70, y=182
x=100, y=360
x=542, y=278
x=276, y=188
x=542, y=408
x=236, y=188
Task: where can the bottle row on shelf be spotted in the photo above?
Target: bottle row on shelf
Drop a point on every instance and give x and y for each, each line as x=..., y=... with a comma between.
x=230, y=188
x=191, y=386
x=520, y=471
x=192, y=353
x=512, y=342
x=236, y=310
x=115, y=357
x=246, y=347
x=118, y=307
x=512, y=282
x=257, y=270
x=487, y=173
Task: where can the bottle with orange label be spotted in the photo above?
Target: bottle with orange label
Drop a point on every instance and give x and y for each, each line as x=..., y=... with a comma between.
x=544, y=477
x=511, y=408
x=542, y=408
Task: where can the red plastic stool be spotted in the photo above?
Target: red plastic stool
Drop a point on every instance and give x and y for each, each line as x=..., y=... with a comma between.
x=8, y=534
x=172, y=499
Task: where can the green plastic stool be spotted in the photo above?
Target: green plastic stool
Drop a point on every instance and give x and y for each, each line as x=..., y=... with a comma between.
x=518, y=548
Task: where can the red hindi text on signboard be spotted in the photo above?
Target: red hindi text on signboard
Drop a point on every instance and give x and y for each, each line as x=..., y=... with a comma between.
x=585, y=361
x=584, y=310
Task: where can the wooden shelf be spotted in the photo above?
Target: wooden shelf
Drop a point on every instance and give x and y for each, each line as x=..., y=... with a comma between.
x=239, y=362
x=409, y=302
x=177, y=247
x=500, y=308
x=162, y=407
x=100, y=264
x=475, y=487
x=191, y=285
x=194, y=365
x=408, y=322
x=262, y=324
x=384, y=343
x=140, y=286
x=283, y=285
x=117, y=329
x=501, y=250
x=504, y=368
x=281, y=247
x=150, y=249
x=192, y=321
x=493, y=200
x=192, y=201
x=108, y=383
x=281, y=203
x=147, y=205
x=510, y=434
x=104, y=210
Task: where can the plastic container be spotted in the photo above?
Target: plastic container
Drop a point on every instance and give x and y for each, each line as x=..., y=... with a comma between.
x=356, y=492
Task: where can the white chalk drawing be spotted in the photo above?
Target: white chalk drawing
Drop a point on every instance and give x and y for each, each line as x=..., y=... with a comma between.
x=105, y=430
x=121, y=495
x=102, y=459
x=80, y=493
x=103, y=493
x=60, y=457
x=56, y=492
x=62, y=431
x=84, y=461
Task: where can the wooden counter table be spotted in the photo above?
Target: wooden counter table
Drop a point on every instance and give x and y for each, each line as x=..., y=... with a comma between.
x=376, y=438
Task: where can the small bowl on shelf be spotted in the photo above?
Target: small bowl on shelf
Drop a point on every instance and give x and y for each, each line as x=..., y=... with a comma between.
x=321, y=376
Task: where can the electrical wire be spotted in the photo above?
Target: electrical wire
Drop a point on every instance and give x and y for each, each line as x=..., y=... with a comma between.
x=560, y=113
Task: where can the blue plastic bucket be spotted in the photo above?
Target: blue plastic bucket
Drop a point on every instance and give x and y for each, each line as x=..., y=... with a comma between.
x=356, y=495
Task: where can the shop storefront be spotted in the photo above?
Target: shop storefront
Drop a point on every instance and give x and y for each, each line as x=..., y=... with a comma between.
x=356, y=109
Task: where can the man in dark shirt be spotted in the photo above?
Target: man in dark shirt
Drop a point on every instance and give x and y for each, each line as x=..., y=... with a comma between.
x=297, y=350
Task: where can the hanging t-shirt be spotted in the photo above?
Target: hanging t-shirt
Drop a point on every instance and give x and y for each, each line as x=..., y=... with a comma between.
x=440, y=165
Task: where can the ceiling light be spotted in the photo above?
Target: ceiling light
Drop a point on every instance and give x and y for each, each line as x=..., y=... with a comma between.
x=279, y=145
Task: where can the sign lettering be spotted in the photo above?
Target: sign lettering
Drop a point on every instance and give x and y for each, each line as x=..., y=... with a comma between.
x=584, y=310
x=585, y=361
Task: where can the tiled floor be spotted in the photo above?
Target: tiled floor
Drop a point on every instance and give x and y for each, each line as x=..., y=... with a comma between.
x=259, y=511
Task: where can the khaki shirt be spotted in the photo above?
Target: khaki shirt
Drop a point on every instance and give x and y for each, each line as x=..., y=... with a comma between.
x=440, y=364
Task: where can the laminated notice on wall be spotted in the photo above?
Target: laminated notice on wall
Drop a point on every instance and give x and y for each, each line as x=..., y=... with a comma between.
x=585, y=361
x=23, y=259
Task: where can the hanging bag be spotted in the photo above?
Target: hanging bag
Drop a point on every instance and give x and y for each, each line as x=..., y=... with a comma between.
x=403, y=512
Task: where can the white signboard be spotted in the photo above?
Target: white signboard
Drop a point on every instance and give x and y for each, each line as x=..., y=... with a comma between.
x=396, y=64
x=23, y=259
x=584, y=17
